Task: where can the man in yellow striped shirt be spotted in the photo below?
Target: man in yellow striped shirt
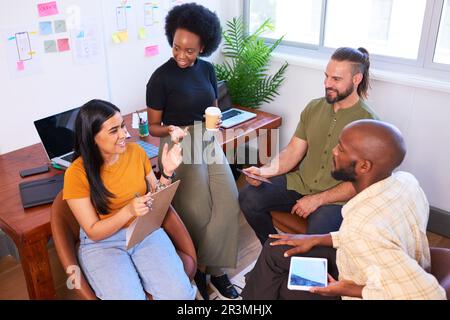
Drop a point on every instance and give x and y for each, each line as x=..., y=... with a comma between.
x=381, y=250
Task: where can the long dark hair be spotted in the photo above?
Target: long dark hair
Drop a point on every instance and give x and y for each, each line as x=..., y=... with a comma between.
x=361, y=63
x=89, y=122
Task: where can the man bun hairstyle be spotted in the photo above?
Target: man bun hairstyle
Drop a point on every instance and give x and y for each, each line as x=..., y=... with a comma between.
x=198, y=20
x=361, y=64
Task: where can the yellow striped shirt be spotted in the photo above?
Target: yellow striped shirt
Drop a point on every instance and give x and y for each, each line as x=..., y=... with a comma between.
x=382, y=242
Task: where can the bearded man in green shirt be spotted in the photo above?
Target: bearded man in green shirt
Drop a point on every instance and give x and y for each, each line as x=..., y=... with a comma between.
x=310, y=191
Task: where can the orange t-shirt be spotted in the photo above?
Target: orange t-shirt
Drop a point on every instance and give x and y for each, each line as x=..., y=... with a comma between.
x=124, y=179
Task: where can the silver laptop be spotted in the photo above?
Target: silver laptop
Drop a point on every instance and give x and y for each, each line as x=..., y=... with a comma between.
x=233, y=117
x=57, y=134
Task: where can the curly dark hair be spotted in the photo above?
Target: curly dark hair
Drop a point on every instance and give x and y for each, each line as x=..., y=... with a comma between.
x=196, y=19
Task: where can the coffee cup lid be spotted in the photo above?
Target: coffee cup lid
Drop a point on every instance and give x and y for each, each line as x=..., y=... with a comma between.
x=214, y=111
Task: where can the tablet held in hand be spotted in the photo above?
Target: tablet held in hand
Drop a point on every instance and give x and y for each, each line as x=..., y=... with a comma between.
x=254, y=176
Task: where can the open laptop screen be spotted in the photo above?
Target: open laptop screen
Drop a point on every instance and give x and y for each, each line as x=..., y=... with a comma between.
x=57, y=132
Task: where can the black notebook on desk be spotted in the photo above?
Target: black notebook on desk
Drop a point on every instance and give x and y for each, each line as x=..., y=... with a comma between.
x=42, y=191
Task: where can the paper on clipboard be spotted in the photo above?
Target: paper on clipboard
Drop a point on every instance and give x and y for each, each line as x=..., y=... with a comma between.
x=144, y=225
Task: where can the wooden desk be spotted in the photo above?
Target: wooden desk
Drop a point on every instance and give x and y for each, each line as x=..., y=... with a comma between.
x=30, y=228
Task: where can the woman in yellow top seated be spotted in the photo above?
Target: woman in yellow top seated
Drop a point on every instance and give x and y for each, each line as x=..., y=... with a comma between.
x=100, y=187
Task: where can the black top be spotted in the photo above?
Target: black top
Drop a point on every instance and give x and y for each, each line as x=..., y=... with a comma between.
x=182, y=94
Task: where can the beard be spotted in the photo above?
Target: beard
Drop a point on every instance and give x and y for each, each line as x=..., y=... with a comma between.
x=345, y=174
x=339, y=95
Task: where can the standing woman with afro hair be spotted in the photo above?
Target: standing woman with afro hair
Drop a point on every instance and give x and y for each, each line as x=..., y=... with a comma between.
x=178, y=93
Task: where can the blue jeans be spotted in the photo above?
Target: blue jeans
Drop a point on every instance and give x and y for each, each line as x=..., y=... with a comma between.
x=116, y=273
x=257, y=202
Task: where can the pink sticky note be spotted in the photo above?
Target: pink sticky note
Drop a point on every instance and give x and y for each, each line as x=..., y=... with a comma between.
x=20, y=66
x=151, y=51
x=48, y=9
x=63, y=45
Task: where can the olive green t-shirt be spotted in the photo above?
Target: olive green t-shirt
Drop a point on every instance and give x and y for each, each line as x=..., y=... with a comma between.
x=320, y=127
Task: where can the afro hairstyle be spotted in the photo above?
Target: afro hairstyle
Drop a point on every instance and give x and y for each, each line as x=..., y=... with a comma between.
x=198, y=20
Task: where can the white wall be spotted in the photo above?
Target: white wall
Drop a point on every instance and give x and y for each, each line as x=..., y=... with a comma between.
x=120, y=76
x=422, y=116
x=60, y=86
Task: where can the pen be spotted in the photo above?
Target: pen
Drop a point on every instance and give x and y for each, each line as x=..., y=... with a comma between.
x=138, y=195
x=139, y=116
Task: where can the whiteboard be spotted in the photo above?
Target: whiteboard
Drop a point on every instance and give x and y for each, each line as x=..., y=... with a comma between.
x=58, y=81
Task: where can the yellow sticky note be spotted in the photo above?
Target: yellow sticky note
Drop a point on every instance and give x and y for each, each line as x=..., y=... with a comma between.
x=142, y=33
x=115, y=38
x=123, y=36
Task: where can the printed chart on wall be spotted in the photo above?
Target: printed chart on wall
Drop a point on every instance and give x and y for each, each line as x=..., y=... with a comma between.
x=150, y=18
x=121, y=21
x=23, y=52
x=85, y=42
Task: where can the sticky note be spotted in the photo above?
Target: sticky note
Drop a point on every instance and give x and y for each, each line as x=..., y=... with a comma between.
x=151, y=51
x=63, y=45
x=60, y=26
x=50, y=46
x=20, y=66
x=115, y=37
x=45, y=28
x=80, y=35
x=142, y=33
x=47, y=9
x=123, y=36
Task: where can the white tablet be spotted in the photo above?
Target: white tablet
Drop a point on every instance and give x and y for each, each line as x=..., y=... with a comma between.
x=305, y=273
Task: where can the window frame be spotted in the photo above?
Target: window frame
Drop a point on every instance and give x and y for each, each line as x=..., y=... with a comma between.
x=424, y=65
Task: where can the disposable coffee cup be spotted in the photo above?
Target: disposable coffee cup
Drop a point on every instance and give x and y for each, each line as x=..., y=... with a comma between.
x=212, y=116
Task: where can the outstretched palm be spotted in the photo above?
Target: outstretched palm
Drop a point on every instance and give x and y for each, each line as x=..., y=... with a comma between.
x=172, y=158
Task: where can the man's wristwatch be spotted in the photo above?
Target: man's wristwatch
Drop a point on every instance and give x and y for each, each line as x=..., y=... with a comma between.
x=168, y=177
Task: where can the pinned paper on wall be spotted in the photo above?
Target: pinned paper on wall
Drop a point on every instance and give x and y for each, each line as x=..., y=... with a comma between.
x=60, y=26
x=123, y=36
x=152, y=14
x=63, y=45
x=20, y=66
x=121, y=18
x=48, y=9
x=50, y=46
x=73, y=17
x=115, y=38
x=23, y=45
x=142, y=33
x=151, y=51
x=22, y=51
x=85, y=43
x=45, y=28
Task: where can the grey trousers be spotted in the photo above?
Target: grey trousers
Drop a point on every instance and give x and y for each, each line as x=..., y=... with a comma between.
x=207, y=200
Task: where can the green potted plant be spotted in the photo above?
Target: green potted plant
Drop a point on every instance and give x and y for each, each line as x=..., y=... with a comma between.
x=247, y=64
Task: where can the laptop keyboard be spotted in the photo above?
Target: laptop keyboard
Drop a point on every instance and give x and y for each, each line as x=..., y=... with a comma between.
x=68, y=158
